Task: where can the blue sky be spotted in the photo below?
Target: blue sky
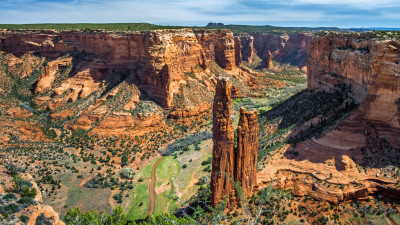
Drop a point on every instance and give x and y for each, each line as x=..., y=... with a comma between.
x=338, y=13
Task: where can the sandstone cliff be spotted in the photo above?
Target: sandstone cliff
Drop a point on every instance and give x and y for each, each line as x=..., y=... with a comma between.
x=285, y=48
x=158, y=59
x=372, y=67
x=248, y=50
x=90, y=79
x=223, y=163
x=361, y=73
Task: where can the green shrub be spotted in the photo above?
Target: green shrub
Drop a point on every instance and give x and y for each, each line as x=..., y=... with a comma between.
x=127, y=173
x=9, y=196
x=24, y=219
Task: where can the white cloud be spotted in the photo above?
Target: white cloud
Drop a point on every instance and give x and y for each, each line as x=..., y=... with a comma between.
x=358, y=4
x=187, y=12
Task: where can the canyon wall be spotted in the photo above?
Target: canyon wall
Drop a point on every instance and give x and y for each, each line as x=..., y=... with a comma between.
x=372, y=69
x=232, y=164
x=158, y=60
x=361, y=143
x=284, y=48
x=247, y=50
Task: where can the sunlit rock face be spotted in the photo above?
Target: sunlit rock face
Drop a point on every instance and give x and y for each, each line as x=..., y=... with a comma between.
x=159, y=59
x=372, y=68
x=232, y=164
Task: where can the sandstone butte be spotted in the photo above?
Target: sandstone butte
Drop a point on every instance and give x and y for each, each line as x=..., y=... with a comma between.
x=229, y=164
x=370, y=135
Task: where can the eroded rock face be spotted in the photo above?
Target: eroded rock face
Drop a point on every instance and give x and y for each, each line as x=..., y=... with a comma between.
x=246, y=152
x=223, y=164
x=248, y=50
x=47, y=79
x=269, y=59
x=285, y=48
x=229, y=164
x=159, y=59
x=368, y=135
x=370, y=65
x=238, y=51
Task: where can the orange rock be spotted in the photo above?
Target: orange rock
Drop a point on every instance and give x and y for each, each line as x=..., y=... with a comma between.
x=223, y=170
x=230, y=165
x=18, y=112
x=248, y=50
x=285, y=48
x=35, y=209
x=268, y=60
x=62, y=114
x=247, y=149
x=159, y=58
x=192, y=112
x=238, y=51
x=47, y=79
x=371, y=67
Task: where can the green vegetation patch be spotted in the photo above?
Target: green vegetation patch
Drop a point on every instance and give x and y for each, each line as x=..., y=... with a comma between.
x=140, y=198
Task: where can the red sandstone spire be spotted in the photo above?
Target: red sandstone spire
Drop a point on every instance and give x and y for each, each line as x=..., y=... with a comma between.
x=229, y=166
x=223, y=149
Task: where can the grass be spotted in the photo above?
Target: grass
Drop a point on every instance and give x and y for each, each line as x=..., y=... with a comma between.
x=369, y=219
x=184, y=178
x=395, y=217
x=167, y=169
x=77, y=196
x=140, y=198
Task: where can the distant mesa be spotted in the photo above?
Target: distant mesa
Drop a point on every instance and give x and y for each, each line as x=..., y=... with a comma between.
x=211, y=24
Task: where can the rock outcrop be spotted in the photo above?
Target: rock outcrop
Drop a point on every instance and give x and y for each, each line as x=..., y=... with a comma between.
x=268, y=60
x=248, y=51
x=372, y=69
x=238, y=51
x=223, y=163
x=285, y=48
x=47, y=79
x=31, y=210
x=246, y=152
x=232, y=164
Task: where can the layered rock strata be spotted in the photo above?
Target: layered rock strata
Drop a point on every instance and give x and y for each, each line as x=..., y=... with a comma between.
x=367, y=137
x=268, y=61
x=158, y=60
x=223, y=163
x=231, y=165
x=372, y=67
x=285, y=48
x=247, y=47
x=246, y=152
